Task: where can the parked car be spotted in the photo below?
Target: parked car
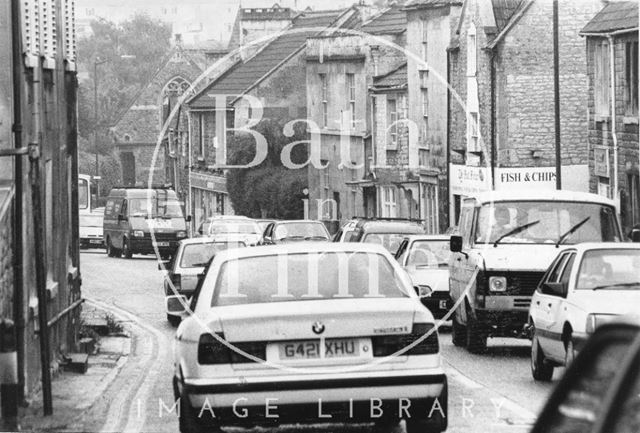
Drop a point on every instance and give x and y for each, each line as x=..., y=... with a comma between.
x=91, y=228
x=132, y=213
x=240, y=227
x=504, y=244
x=263, y=223
x=585, y=286
x=185, y=268
x=600, y=391
x=426, y=260
x=287, y=306
x=295, y=230
x=346, y=231
x=387, y=232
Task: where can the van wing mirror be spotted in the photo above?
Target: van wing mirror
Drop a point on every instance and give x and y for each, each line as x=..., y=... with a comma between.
x=121, y=218
x=188, y=218
x=635, y=235
x=455, y=243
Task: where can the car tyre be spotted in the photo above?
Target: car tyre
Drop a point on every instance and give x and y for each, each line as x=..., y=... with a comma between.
x=476, y=335
x=541, y=370
x=126, y=249
x=188, y=422
x=458, y=332
x=174, y=320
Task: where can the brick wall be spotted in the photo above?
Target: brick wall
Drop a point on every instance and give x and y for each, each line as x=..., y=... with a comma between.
x=524, y=86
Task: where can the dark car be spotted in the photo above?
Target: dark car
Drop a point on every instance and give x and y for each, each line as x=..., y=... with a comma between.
x=143, y=220
x=600, y=391
x=295, y=230
x=389, y=232
x=185, y=268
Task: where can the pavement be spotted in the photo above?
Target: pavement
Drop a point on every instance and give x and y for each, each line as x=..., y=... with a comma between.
x=76, y=394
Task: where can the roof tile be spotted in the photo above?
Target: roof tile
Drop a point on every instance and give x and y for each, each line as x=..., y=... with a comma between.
x=615, y=16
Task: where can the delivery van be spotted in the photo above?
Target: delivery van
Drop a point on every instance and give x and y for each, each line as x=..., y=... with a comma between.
x=143, y=220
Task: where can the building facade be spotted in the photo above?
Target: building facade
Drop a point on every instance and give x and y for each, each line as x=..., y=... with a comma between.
x=612, y=68
x=39, y=262
x=501, y=111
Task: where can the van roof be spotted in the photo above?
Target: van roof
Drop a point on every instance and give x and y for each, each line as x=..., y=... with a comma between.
x=542, y=195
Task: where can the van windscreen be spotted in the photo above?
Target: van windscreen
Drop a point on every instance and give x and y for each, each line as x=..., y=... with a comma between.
x=155, y=207
x=543, y=222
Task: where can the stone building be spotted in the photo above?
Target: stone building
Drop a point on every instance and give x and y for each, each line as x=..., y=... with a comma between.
x=39, y=250
x=137, y=133
x=430, y=27
x=269, y=84
x=612, y=116
x=339, y=71
x=501, y=111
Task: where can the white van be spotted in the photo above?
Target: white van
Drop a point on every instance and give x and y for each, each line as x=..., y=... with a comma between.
x=506, y=241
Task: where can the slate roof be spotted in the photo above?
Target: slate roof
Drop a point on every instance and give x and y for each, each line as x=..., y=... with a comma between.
x=240, y=78
x=503, y=10
x=425, y=4
x=395, y=79
x=614, y=16
x=390, y=21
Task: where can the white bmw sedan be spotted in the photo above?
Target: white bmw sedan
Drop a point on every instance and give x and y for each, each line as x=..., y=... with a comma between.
x=308, y=333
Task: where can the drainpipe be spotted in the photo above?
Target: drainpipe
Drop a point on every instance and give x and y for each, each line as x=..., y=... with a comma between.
x=191, y=223
x=18, y=256
x=493, y=118
x=448, y=145
x=613, y=119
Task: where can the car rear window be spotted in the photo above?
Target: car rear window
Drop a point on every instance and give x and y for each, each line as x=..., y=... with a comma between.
x=198, y=255
x=306, y=276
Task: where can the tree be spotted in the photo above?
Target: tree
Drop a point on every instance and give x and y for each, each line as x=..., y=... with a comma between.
x=128, y=54
x=270, y=189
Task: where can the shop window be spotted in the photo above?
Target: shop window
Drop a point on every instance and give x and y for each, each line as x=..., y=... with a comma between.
x=631, y=79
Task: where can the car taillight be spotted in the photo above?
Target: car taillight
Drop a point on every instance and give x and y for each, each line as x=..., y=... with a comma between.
x=390, y=344
x=213, y=351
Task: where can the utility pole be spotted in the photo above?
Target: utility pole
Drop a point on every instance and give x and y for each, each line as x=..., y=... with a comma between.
x=96, y=63
x=556, y=95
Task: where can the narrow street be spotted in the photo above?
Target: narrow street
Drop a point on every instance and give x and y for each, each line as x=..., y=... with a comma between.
x=489, y=392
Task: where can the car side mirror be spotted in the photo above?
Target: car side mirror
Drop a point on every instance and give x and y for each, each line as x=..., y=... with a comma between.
x=423, y=291
x=635, y=235
x=554, y=289
x=188, y=218
x=178, y=305
x=267, y=239
x=455, y=244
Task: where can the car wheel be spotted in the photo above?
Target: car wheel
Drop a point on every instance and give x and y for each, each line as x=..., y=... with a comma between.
x=458, y=332
x=570, y=352
x=174, y=320
x=540, y=369
x=188, y=421
x=126, y=250
x=476, y=335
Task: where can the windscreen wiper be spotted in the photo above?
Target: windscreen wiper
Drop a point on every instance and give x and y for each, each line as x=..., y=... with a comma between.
x=612, y=286
x=571, y=231
x=515, y=231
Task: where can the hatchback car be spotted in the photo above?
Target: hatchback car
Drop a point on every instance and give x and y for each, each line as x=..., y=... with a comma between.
x=184, y=269
x=600, y=391
x=240, y=227
x=387, y=232
x=585, y=286
x=304, y=332
x=295, y=230
x=426, y=260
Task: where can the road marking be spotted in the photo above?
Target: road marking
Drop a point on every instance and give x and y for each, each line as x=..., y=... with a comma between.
x=138, y=390
x=527, y=417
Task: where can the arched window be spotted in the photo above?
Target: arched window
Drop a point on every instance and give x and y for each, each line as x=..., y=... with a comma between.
x=176, y=87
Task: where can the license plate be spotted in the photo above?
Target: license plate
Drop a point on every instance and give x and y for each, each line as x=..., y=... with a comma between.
x=443, y=304
x=162, y=244
x=312, y=349
x=95, y=241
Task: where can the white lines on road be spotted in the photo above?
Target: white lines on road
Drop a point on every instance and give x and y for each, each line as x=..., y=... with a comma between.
x=521, y=417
